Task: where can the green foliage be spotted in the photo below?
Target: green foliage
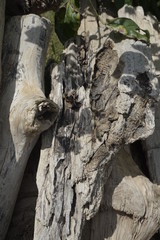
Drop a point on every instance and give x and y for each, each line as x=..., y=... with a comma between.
x=67, y=21
x=125, y=26
x=55, y=47
x=129, y=28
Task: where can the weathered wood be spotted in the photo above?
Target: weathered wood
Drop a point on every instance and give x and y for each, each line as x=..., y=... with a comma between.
x=130, y=205
x=152, y=144
x=21, y=7
x=2, y=19
x=25, y=112
x=22, y=222
x=106, y=90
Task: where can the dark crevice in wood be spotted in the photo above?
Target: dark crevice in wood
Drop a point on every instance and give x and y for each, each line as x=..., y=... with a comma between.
x=156, y=236
x=86, y=233
x=47, y=76
x=138, y=156
x=22, y=223
x=74, y=201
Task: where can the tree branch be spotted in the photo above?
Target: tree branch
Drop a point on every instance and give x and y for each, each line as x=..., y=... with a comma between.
x=25, y=111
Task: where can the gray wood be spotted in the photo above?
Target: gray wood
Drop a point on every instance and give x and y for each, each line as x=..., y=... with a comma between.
x=25, y=112
x=106, y=89
x=130, y=205
x=152, y=143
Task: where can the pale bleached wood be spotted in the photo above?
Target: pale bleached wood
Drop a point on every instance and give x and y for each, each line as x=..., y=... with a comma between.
x=152, y=144
x=106, y=89
x=24, y=110
x=130, y=206
x=2, y=20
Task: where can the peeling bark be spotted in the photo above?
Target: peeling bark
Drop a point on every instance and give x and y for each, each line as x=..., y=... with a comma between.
x=106, y=89
x=25, y=111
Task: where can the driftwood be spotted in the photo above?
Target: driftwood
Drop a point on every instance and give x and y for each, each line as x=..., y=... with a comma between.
x=152, y=144
x=130, y=205
x=106, y=89
x=25, y=112
x=89, y=187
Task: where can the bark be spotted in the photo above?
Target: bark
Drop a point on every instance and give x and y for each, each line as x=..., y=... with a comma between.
x=25, y=111
x=106, y=89
x=21, y=7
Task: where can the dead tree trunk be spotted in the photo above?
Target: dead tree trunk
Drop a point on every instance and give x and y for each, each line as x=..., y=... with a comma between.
x=107, y=90
x=24, y=112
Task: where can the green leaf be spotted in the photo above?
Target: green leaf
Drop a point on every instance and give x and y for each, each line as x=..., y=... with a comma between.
x=129, y=28
x=67, y=21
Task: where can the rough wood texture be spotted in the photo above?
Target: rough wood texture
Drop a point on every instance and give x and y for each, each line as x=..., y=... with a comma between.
x=152, y=144
x=130, y=205
x=25, y=112
x=21, y=7
x=2, y=20
x=22, y=222
x=106, y=90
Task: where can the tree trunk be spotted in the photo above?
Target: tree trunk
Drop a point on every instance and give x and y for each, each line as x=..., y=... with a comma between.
x=25, y=111
x=107, y=90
